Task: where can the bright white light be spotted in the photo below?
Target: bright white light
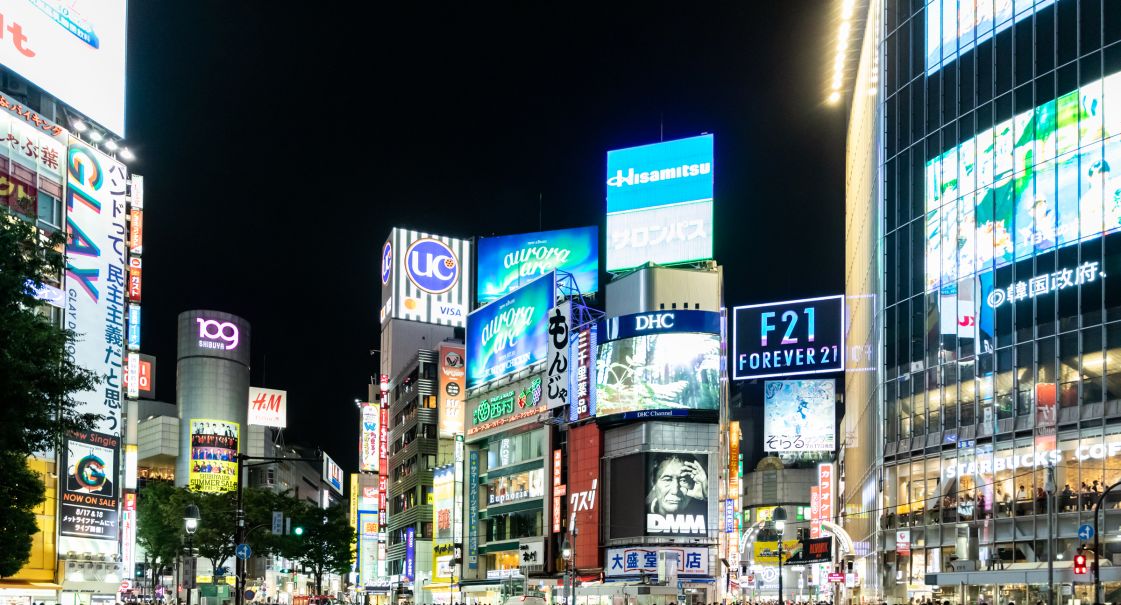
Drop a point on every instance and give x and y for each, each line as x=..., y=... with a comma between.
x=111, y=145
x=95, y=136
x=834, y=97
x=126, y=155
x=80, y=126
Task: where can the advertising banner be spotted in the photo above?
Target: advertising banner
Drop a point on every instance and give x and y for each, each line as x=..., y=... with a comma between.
x=134, y=327
x=815, y=512
x=556, y=384
x=408, y=571
x=453, y=391
x=134, y=279
x=144, y=376
x=959, y=25
x=510, y=333
x=814, y=550
x=903, y=542
x=128, y=534
x=766, y=553
x=268, y=407
x=799, y=415
x=692, y=561
x=658, y=374
x=442, y=567
x=581, y=385
x=677, y=494
x=825, y=493
x=132, y=374
x=788, y=338
x=473, y=509
x=90, y=494
x=585, y=451
x=368, y=437
x=74, y=51
x=523, y=400
x=214, y=449
x=135, y=231
x=95, y=275
x=443, y=495
x=425, y=278
x=509, y=262
x=517, y=487
x=659, y=203
x=332, y=474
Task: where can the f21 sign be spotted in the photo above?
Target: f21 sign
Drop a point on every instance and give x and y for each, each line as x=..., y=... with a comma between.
x=789, y=338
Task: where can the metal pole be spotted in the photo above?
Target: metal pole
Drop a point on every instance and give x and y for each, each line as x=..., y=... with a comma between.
x=190, y=581
x=1097, y=545
x=239, y=568
x=780, y=568
x=1050, y=488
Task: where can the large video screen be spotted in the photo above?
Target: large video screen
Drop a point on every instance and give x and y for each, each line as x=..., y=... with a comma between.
x=677, y=494
x=658, y=372
x=659, y=203
x=799, y=415
x=954, y=28
x=511, y=261
x=510, y=333
x=1038, y=181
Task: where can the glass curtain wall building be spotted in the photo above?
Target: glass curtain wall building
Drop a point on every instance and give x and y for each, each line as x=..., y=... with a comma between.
x=999, y=292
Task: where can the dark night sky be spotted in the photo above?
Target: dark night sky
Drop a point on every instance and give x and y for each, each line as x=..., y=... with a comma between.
x=280, y=145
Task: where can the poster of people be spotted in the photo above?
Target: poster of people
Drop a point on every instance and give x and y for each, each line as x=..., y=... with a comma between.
x=214, y=449
x=89, y=491
x=799, y=415
x=677, y=494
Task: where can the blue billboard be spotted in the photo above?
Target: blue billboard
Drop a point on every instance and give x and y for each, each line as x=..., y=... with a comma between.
x=659, y=203
x=510, y=333
x=511, y=261
x=672, y=172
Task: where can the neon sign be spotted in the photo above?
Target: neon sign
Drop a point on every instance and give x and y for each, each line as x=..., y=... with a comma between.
x=1045, y=284
x=211, y=330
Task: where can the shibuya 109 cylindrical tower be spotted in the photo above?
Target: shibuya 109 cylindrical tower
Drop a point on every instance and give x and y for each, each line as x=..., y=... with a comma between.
x=212, y=394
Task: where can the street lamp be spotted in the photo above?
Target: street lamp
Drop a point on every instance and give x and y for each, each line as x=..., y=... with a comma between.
x=780, y=524
x=566, y=553
x=191, y=524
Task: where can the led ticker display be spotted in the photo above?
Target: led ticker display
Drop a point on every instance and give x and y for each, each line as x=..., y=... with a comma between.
x=508, y=262
x=510, y=333
x=788, y=338
x=1040, y=180
x=658, y=363
x=659, y=203
x=954, y=28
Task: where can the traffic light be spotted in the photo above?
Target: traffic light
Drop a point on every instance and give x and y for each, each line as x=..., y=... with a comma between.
x=299, y=531
x=1079, y=563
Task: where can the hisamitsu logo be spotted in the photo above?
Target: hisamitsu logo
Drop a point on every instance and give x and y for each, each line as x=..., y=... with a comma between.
x=655, y=176
x=432, y=266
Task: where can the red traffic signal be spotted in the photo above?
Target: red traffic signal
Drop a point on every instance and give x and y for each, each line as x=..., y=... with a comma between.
x=1079, y=564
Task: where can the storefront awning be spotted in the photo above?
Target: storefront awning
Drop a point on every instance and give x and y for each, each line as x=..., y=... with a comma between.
x=24, y=584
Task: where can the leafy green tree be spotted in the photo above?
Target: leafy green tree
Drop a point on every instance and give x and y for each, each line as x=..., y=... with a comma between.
x=37, y=380
x=325, y=545
x=159, y=523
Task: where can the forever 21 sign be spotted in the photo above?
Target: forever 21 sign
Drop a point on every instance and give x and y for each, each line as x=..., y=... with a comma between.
x=789, y=338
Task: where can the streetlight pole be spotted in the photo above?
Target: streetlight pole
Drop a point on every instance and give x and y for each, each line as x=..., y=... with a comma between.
x=566, y=554
x=780, y=524
x=1097, y=544
x=191, y=524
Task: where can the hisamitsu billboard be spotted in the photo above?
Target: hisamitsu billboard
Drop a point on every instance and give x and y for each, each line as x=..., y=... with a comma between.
x=788, y=338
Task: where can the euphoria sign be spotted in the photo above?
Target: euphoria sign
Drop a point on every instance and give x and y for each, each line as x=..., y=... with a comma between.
x=789, y=338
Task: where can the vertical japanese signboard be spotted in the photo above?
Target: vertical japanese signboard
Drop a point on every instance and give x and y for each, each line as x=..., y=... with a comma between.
x=556, y=385
x=473, y=509
x=825, y=490
x=408, y=572
x=451, y=398
x=582, y=387
x=368, y=437
x=95, y=276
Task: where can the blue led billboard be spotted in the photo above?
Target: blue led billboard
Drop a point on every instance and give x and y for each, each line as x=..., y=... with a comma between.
x=954, y=28
x=659, y=203
x=511, y=261
x=510, y=333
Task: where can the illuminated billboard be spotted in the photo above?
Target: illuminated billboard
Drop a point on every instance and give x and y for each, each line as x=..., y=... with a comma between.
x=425, y=278
x=788, y=338
x=658, y=364
x=510, y=333
x=96, y=275
x=508, y=262
x=659, y=203
x=954, y=28
x=443, y=495
x=368, y=437
x=214, y=449
x=453, y=391
x=268, y=407
x=517, y=487
x=677, y=494
x=799, y=415
x=74, y=50
x=332, y=474
x=90, y=492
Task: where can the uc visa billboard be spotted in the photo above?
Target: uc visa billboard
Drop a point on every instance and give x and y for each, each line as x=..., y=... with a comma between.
x=659, y=203
x=510, y=333
x=425, y=278
x=508, y=262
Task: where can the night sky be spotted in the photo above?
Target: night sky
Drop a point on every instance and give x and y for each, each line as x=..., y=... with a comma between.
x=280, y=144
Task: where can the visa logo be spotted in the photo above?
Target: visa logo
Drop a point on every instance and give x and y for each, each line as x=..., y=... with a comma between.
x=450, y=310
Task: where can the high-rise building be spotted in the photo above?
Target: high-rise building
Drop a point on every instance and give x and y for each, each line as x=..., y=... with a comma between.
x=983, y=245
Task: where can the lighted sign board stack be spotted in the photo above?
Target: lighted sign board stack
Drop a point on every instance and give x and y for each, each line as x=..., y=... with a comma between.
x=659, y=203
x=510, y=333
x=508, y=262
x=425, y=278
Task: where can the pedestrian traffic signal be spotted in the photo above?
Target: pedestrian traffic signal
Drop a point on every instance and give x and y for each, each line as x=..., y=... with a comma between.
x=299, y=531
x=1080, y=564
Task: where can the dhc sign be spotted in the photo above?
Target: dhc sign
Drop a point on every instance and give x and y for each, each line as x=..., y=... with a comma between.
x=659, y=322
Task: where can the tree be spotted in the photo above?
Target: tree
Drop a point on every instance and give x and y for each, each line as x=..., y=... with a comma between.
x=325, y=545
x=159, y=523
x=37, y=382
